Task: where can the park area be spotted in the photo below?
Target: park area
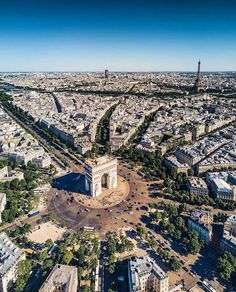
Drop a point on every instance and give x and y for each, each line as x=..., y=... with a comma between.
x=45, y=231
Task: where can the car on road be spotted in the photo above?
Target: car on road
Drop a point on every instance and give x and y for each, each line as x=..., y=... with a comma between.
x=144, y=208
x=38, y=272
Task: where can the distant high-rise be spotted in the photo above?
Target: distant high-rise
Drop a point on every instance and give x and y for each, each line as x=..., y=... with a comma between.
x=106, y=74
x=196, y=86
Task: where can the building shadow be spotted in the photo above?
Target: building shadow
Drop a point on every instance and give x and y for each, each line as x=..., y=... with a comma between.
x=71, y=182
x=205, y=264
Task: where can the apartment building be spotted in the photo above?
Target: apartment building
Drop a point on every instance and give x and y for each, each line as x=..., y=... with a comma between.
x=10, y=256
x=220, y=186
x=198, y=130
x=145, y=276
x=200, y=221
x=228, y=241
x=62, y=278
x=188, y=156
x=43, y=161
x=3, y=172
x=197, y=186
x=3, y=201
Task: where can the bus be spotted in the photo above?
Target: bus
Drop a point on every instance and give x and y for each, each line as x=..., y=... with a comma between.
x=33, y=214
x=208, y=287
x=88, y=228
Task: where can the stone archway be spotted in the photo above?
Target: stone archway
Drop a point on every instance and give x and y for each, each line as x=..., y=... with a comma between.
x=100, y=173
x=104, y=181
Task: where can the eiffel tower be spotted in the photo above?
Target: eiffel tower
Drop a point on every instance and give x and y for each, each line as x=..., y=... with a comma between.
x=196, y=86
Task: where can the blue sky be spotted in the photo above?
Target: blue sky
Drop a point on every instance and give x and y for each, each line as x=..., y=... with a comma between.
x=131, y=35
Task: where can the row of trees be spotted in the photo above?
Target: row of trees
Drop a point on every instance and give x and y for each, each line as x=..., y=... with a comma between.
x=172, y=222
x=13, y=112
x=24, y=271
x=20, y=194
x=174, y=263
x=184, y=196
x=98, y=150
x=151, y=162
x=102, y=136
x=116, y=243
x=20, y=230
x=4, y=96
x=136, y=138
x=175, y=188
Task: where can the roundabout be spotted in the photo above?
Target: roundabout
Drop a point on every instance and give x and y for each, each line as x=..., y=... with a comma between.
x=109, y=211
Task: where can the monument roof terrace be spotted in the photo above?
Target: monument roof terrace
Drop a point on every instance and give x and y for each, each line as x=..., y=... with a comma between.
x=99, y=161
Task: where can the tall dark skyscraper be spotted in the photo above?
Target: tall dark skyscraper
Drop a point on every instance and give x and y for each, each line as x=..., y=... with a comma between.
x=196, y=86
x=106, y=74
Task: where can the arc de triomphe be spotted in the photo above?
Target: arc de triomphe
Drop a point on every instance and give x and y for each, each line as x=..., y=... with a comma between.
x=100, y=173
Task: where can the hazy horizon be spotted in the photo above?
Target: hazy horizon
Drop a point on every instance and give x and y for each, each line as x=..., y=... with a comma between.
x=111, y=71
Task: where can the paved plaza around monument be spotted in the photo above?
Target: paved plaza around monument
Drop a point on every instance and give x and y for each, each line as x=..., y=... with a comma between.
x=108, y=197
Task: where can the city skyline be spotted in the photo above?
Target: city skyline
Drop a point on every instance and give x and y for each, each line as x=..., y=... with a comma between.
x=117, y=145
x=147, y=36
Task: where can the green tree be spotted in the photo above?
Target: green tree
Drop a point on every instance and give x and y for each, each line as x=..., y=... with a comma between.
x=85, y=288
x=194, y=245
x=81, y=255
x=177, y=235
x=190, y=172
x=95, y=148
x=152, y=243
x=68, y=256
x=14, y=184
x=49, y=243
x=48, y=263
x=226, y=266
x=42, y=256
x=20, y=284
x=141, y=231
x=24, y=270
x=156, y=216
x=111, y=268
x=175, y=264
x=80, y=272
x=179, y=223
x=171, y=228
x=26, y=228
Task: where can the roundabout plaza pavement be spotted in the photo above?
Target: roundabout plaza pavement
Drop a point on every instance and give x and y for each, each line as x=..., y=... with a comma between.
x=117, y=208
